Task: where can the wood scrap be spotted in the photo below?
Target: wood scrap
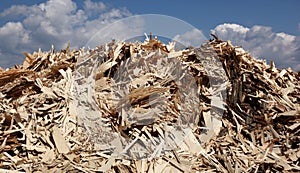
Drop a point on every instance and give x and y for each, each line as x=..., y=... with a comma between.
x=258, y=132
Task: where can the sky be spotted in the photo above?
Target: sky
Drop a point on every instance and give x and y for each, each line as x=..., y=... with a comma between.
x=268, y=29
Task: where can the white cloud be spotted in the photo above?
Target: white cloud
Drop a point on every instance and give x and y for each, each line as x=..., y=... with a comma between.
x=54, y=22
x=13, y=34
x=262, y=42
x=15, y=11
x=93, y=7
x=194, y=38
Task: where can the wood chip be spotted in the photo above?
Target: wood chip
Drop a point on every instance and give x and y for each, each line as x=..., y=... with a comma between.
x=255, y=128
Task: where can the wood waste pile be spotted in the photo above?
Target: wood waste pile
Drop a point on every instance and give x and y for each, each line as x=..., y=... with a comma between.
x=258, y=131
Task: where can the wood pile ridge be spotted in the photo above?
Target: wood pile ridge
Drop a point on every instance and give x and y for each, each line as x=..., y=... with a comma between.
x=259, y=130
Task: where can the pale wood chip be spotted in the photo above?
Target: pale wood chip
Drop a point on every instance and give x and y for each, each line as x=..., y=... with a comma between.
x=59, y=141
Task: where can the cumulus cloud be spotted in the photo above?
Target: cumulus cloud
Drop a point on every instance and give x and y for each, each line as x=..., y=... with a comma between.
x=263, y=43
x=194, y=38
x=93, y=7
x=16, y=11
x=54, y=22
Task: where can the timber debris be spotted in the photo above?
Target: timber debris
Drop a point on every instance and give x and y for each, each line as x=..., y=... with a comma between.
x=259, y=130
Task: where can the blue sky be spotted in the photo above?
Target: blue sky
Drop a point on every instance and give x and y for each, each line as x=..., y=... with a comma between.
x=282, y=16
x=267, y=29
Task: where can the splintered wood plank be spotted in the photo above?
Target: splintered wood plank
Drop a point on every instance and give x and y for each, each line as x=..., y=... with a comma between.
x=60, y=142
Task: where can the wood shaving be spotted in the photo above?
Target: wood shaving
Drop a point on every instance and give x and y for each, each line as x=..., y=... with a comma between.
x=259, y=130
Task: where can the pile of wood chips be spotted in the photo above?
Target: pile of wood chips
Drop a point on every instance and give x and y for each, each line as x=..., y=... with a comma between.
x=259, y=130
